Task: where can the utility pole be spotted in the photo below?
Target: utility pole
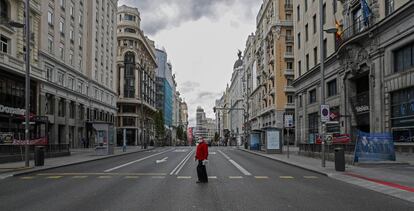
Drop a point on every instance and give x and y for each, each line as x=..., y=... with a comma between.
x=142, y=107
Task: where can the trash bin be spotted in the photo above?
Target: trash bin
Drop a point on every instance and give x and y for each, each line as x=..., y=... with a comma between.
x=339, y=159
x=39, y=156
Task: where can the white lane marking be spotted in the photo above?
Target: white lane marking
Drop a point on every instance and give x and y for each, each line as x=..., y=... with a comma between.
x=244, y=171
x=212, y=177
x=261, y=177
x=181, y=150
x=158, y=177
x=182, y=165
x=235, y=177
x=183, y=177
x=179, y=164
x=162, y=160
x=135, y=161
x=212, y=153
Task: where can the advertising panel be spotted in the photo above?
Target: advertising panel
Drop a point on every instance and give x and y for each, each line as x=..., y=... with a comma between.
x=273, y=139
x=374, y=147
x=255, y=141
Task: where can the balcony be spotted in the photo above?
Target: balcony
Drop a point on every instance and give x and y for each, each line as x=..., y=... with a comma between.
x=288, y=7
x=289, y=39
x=286, y=23
x=289, y=106
x=289, y=55
x=357, y=27
x=289, y=89
x=289, y=72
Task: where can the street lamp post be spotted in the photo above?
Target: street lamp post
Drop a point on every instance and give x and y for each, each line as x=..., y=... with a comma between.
x=322, y=75
x=27, y=88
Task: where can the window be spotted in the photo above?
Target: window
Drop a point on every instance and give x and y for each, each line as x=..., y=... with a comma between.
x=290, y=99
x=61, y=107
x=50, y=104
x=60, y=78
x=62, y=27
x=4, y=10
x=332, y=89
x=313, y=125
x=4, y=44
x=298, y=13
x=335, y=6
x=299, y=68
x=71, y=57
x=80, y=86
x=306, y=5
x=300, y=100
x=402, y=113
x=50, y=17
x=306, y=32
x=312, y=96
x=298, y=41
x=49, y=73
x=289, y=49
x=80, y=62
x=50, y=44
x=129, y=75
x=62, y=4
x=72, y=110
x=130, y=30
x=80, y=40
x=389, y=7
x=129, y=17
x=289, y=65
x=61, y=51
x=315, y=56
x=71, y=10
x=324, y=13
x=70, y=83
x=325, y=49
x=71, y=34
x=307, y=62
x=314, y=24
x=404, y=58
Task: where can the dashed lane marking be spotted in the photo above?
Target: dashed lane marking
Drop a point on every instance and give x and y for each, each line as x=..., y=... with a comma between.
x=235, y=177
x=54, y=177
x=183, y=177
x=212, y=177
x=286, y=177
x=104, y=177
x=310, y=177
x=131, y=177
x=79, y=177
x=26, y=178
x=158, y=177
x=261, y=177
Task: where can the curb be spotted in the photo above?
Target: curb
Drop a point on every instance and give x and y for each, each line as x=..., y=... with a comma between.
x=75, y=163
x=286, y=162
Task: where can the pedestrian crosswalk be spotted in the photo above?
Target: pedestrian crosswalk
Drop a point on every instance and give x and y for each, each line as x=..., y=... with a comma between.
x=134, y=176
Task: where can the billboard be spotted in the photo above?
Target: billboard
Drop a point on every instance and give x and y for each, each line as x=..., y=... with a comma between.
x=374, y=147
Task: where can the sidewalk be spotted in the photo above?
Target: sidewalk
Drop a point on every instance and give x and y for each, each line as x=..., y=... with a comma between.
x=390, y=179
x=77, y=156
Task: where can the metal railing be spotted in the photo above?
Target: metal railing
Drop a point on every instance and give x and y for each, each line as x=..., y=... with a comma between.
x=352, y=30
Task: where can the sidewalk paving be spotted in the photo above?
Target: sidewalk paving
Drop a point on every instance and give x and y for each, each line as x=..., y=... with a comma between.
x=393, y=180
x=77, y=156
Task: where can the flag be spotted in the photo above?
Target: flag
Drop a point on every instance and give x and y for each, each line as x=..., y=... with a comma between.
x=338, y=33
x=366, y=12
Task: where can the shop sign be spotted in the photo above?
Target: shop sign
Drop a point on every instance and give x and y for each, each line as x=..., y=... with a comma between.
x=6, y=138
x=362, y=108
x=10, y=110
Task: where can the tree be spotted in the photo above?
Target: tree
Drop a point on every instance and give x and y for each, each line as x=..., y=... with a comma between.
x=159, y=126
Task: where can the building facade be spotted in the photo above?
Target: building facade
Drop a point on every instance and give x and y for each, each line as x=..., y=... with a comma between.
x=164, y=97
x=368, y=73
x=136, y=65
x=76, y=54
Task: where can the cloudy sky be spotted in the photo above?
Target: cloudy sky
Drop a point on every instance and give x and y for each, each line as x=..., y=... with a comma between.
x=201, y=38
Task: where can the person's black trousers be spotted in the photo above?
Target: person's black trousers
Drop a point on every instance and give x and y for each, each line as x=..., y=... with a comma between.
x=202, y=172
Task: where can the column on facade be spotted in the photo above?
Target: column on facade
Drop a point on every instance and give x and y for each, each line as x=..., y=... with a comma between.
x=55, y=115
x=67, y=108
x=121, y=81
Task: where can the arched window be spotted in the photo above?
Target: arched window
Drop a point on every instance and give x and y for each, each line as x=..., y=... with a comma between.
x=4, y=9
x=129, y=75
x=130, y=30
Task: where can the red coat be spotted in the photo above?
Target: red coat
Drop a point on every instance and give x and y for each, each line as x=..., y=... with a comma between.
x=202, y=151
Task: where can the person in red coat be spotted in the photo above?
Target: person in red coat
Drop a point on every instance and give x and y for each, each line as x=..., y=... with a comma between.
x=201, y=156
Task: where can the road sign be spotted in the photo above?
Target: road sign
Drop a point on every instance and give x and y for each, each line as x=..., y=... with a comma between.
x=334, y=116
x=288, y=121
x=329, y=139
x=325, y=113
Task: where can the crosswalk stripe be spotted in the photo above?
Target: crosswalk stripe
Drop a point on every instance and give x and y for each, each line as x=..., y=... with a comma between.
x=212, y=177
x=286, y=177
x=79, y=177
x=54, y=177
x=235, y=177
x=183, y=177
x=26, y=177
x=310, y=177
x=104, y=177
x=261, y=177
x=131, y=177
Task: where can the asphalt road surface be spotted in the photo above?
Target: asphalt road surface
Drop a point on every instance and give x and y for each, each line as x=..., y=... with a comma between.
x=165, y=179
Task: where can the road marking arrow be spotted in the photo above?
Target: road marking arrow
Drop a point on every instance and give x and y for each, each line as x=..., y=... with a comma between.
x=162, y=160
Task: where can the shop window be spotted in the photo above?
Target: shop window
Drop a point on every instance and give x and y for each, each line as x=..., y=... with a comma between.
x=402, y=115
x=313, y=125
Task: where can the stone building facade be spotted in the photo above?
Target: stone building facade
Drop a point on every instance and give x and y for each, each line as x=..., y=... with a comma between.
x=136, y=65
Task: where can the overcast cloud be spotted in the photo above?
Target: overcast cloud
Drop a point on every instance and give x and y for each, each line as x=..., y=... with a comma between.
x=201, y=38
